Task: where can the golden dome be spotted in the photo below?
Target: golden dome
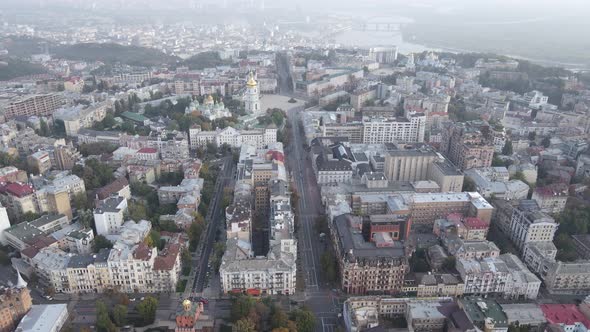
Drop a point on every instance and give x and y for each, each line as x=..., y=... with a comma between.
x=186, y=304
x=210, y=98
x=251, y=82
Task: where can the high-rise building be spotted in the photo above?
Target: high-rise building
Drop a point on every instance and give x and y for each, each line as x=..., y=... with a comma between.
x=34, y=105
x=468, y=145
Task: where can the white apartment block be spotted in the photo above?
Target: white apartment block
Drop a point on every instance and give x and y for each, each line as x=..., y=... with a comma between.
x=528, y=224
x=400, y=130
x=109, y=215
x=76, y=118
x=232, y=137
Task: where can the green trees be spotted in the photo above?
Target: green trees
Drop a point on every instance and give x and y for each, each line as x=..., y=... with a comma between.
x=120, y=315
x=147, y=310
x=329, y=266
x=94, y=173
x=304, y=319
x=101, y=242
x=194, y=233
x=507, y=150
x=245, y=325
x=546, y=142
x=418, y=261
x=103, y=321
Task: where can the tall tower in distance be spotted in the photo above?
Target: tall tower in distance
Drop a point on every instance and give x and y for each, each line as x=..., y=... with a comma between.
x=252, y=95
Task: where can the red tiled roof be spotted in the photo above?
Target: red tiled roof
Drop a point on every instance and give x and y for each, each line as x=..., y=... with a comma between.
x=567, y=314
x=167, y=258
x=147, y=150
x=142, y=252
x=275, y=155
x=16, y=189
x=556, y=189
x=472, y=222
x=112, y=188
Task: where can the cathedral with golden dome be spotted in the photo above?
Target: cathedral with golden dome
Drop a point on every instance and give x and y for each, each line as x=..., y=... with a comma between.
x=210, y=109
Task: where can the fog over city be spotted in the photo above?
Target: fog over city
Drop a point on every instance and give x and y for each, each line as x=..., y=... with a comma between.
x=542, y=30
x=295, y=165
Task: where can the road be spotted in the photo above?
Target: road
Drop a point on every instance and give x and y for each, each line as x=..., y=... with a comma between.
x=318, y=296
x=213, y=218
x=285, y=80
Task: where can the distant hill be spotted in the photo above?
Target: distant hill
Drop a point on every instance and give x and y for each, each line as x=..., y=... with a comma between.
x=112, y=53
x=23, y=46
x=12, y=68
x=205, y=60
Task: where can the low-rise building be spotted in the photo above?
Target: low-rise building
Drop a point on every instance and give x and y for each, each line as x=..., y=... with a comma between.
x=439, y=285
x=484, y=314
x=259, y=138
x=44, y=317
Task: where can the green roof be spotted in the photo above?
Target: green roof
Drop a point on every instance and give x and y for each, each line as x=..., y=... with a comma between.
x=134, y=116
x=478, y=309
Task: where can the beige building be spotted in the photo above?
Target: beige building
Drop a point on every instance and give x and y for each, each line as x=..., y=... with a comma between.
x=425, y=208
x=43, y=104
x=439, y=285
x=367, y=267
x=15, y=302
x=468, y=145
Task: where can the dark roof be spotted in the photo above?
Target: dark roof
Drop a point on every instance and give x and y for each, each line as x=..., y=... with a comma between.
x=354, y=246
x=112, y=188
x=82, y=261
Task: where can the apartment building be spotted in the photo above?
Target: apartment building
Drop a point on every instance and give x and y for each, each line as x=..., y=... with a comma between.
x=468, y=145
x=261, y=188
x=125, y=268
x=551, y=198
x=33, y=105
x=409, y=129
x=15, y=302
x=17, y=198
x=528, y=224
x=566, y=277
x=439, y=285
x=505, y=275
x=426, y=208
x=496, y=181
x=378, y=266
x=77, y=118
x=109, y=215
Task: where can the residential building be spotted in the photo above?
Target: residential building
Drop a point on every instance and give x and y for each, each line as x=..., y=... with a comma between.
x=409, y=129
x=528, y=224
x=566, y=277
x=439, y=285
x=77, y=118
x=468, y=145
x=15, y=302
x=485, y=314
x=17, y=198
x=495, y=181
x=109, y=214
x=65, y=157
x=30, y=105
x=377, y=266
x=448, y=177
x=44, y=317
x=40, y=162
x=425, y=208
x=551, y=198
x=567, y=316
x=119, y=187
x=525, y=314
x=259, y=138
x=147, y=154
x=470, y=249
x=425, y=317
x=261, y=188
x=4, y=225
